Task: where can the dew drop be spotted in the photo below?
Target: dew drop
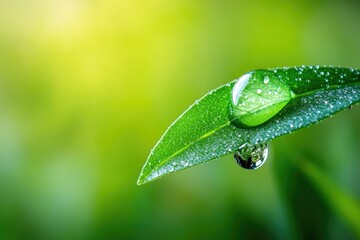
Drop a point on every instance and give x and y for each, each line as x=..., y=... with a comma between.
x=266, y=80
x=249, y=107
x=171, y=168
x=184, y=163
x=154, y=174
x=251, y=156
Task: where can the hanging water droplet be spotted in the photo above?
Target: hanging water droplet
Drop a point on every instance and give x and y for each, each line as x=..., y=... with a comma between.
x=249, y=107
x=251, y=156
x=350, y=107
x=171, y=168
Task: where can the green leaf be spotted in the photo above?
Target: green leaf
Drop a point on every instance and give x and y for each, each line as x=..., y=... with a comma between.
x=207, y=130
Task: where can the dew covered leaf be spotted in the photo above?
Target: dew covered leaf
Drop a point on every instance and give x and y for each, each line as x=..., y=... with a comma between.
x=207, y=130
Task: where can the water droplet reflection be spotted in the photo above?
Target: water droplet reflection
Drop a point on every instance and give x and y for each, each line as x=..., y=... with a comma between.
x=251, y=156
x=257, y=97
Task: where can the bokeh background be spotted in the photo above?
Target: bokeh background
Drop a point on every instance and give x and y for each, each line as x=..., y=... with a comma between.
x=88, y=87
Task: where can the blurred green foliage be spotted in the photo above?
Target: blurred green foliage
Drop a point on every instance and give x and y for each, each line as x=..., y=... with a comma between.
x=87, y=88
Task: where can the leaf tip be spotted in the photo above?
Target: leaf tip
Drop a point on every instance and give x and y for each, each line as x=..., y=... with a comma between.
x=144, y=178
x=141, y=180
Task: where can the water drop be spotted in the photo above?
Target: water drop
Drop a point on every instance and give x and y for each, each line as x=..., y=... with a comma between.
x=184, y=163
x=249, y=107
x=171, y=168
x=251, y=156
x=154, y=174
x=266, y=79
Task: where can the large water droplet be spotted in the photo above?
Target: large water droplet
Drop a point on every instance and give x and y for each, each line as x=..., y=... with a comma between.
x=251, y=156
x=249, y=107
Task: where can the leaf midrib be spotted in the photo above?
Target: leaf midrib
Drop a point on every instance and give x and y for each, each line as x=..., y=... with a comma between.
x=255, y=110
x=294, y=96
x=188, y=145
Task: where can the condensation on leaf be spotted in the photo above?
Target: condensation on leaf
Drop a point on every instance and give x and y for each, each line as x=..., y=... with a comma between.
x=204, y=131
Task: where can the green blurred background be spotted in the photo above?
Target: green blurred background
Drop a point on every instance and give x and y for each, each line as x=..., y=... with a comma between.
x=88, y=87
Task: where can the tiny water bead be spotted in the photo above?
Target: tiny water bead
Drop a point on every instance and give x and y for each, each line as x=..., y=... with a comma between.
x=256, y=97
x=251, y=156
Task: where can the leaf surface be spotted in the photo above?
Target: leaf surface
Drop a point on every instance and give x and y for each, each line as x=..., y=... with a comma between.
x=204, y=132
